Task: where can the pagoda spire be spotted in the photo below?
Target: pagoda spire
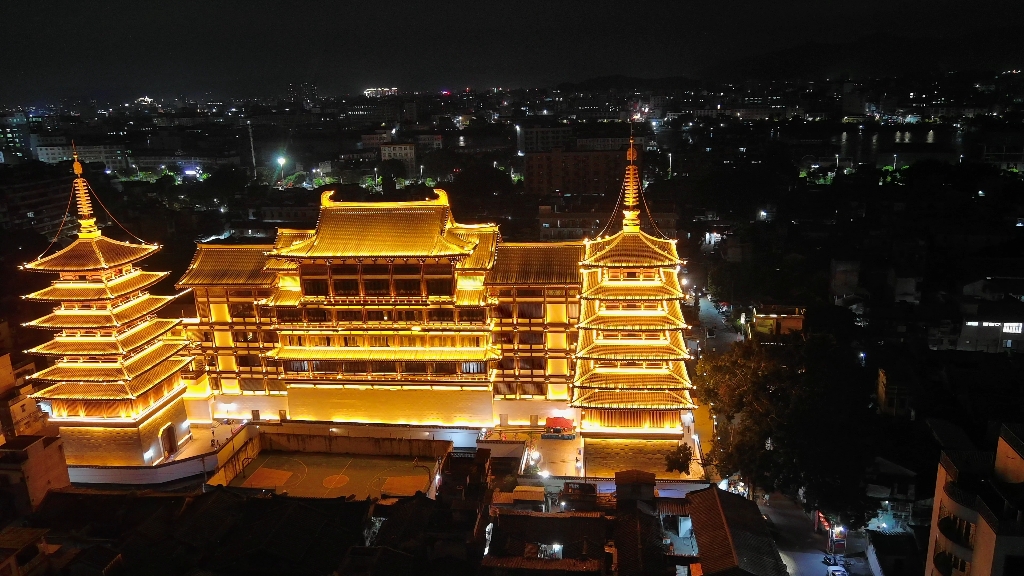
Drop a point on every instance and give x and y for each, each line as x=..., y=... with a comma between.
x=85, y=215
x=631, y=193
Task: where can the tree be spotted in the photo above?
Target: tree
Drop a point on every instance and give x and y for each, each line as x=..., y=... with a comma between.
x=791, y=414
x=680, y=459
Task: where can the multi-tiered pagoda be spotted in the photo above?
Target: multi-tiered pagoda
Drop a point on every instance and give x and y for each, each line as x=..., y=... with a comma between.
x=630, y=372
x=115, y=386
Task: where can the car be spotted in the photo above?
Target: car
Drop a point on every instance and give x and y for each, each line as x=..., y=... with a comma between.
x=836, y=571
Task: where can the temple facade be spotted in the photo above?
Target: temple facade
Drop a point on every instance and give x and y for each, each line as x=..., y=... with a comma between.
x=393, y=313
x=114, y=389
x=386, y=313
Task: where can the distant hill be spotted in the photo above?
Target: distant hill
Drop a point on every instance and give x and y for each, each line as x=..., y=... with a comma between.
x=880, y=55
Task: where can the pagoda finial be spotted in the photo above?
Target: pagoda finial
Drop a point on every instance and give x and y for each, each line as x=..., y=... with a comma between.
x=631, y=191
x=86, y=218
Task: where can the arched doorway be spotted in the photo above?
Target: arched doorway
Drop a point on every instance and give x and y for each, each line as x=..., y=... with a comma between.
x=168, y=440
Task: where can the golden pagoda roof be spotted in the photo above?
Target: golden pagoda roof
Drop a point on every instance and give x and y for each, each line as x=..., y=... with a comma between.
x=384, y=354
x=631, y=249
x=631, y=400
x=106, y=346
x=471, y=297
x=635, y=380
x=80, y=291
x=126, y=390
x=90, y=319
x=629, y=350
x=485, y=237
x=86, y=254
x=526, y=264
x=421, y=229
x=634, y=323
x=285, y=298
x=650, y=291
x=228, y=265
x=111, y=371
x=288, y=236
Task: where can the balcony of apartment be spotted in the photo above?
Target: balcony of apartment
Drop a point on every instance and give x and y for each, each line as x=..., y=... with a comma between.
x=958, y=535
x=961, y=502
x=948, y=564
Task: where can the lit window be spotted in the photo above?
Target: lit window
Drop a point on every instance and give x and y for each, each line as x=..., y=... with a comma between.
x=1012, y=327
x=972, y=323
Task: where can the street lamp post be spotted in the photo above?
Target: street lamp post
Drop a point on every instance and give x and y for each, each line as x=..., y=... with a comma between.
x=894, y=162
x=670, y=165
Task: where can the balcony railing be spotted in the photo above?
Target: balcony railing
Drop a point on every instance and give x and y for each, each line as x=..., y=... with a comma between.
x=948, y=528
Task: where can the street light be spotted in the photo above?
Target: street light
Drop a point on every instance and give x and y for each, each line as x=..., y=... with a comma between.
x=894, y=162
x=281, y=161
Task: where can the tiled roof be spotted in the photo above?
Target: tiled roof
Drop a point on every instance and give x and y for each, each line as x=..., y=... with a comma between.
x=105, y=346
x=612, y=292
x=82, y=291
x=608, y=322
x=86, y=319
x=288, y=236
x=631, y=399
x=537, y=263
x=111, y=371
x=633, y=249
x=226, y=265
x=384, y=354
x=636, y=380
x=115, y=390
x=382, y=229
x=732, y=535
x=485, y=237
x=98, y=253
x=632, y=351
x=471, y=297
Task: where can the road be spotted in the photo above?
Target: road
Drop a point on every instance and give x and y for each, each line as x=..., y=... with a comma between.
x=801, y=548
x=724, y=336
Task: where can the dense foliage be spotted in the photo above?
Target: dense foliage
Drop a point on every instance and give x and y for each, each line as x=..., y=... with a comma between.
x=792, y=415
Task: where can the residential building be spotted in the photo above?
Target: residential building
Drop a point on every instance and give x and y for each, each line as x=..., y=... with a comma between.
x=114, y=389
x=555, y=225
x=35, y=198
x=977, y=524
x=31, y=466
x=544, y=138
x=113, y=156
x=775, y=320
x=565, y=172
x=375, y=140
x=404, y=153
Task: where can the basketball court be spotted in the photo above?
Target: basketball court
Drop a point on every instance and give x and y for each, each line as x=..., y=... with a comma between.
x=318, y=475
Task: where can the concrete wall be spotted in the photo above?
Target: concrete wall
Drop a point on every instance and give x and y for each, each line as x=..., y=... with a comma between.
x=519, y=411
x=240, y=406
x=471, y=408
x=271, y=439
x=165, y=472
x=1009, y=465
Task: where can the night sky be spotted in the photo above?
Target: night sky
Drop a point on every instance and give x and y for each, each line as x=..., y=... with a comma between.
x=123, y=49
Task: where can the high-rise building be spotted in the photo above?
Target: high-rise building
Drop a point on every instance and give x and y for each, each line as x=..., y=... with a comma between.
x=115, y=388
x=977, y=524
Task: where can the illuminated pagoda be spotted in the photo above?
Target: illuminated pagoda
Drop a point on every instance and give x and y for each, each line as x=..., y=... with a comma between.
x=115, y=387
x=379, y=315
x=630, y=372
